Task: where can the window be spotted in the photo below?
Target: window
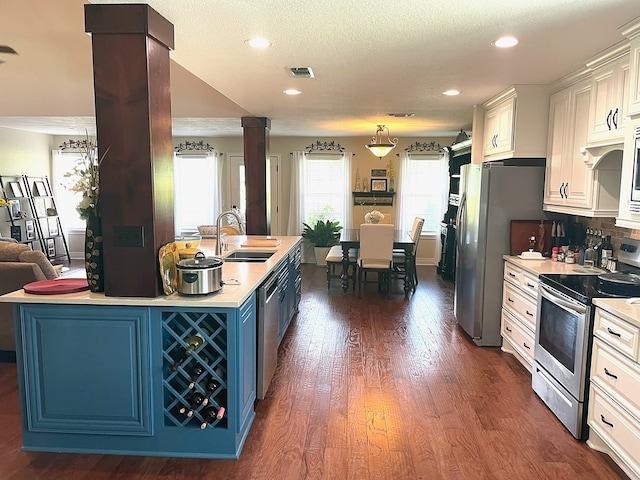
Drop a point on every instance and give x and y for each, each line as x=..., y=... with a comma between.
x=66, y=200
x=323, y=189
x=424, y=191
x=197, y=196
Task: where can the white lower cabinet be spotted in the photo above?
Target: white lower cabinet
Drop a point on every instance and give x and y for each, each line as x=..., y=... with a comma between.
x=614, y=394
x=519, y=311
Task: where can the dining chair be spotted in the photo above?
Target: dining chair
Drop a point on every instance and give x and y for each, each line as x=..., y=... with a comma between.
x=376, y=253
x=400, y=258
x=334, y=260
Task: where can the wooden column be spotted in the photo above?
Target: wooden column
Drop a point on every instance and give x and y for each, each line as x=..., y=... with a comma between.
x=131, y=45
x=256, y=155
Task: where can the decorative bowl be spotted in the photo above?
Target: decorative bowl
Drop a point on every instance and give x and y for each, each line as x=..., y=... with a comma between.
x=188, y=241
x=208, y=230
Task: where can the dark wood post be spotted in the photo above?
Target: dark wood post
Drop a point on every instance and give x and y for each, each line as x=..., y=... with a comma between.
x=131, y=45
x=256, y=155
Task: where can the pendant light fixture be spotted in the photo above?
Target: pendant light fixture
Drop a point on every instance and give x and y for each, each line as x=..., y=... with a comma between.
x=377, y=146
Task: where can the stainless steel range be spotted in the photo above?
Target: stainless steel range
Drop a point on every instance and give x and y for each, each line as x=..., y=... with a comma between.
x=564, y=327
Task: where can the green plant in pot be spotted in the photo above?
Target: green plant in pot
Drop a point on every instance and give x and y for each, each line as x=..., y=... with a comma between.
x=323, y=236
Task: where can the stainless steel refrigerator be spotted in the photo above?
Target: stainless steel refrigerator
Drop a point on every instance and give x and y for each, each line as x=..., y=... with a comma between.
x=492, y=194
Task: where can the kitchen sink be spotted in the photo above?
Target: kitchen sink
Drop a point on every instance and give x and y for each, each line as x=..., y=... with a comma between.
x=248, y=256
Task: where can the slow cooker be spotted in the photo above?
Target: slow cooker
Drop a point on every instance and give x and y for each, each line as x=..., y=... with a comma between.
x=199, y=275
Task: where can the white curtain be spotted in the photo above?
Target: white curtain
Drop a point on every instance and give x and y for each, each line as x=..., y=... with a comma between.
x=198, y=179
x=296, y=208
x=403, y=179
x=347, y=161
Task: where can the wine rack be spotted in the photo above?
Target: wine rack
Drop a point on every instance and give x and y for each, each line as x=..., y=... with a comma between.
x=177, y=328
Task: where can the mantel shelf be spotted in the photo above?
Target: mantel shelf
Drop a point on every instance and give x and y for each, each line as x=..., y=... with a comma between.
x=373, y=198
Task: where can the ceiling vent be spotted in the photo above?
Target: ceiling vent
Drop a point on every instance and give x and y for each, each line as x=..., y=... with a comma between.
x=401, y=115
x=301, y=72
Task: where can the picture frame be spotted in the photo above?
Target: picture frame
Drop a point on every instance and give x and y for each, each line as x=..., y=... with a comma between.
x=51, y=248
x=378, y=172
x=16, y=233
x=53, y=227
x=29, y=228
x=40, y=189
x=378, y=184
x=14, y=207
x=16, y=189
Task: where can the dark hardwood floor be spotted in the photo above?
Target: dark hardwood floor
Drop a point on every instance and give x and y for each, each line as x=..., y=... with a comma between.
x=367, y=387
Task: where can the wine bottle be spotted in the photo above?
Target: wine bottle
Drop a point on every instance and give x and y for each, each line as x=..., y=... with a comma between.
x=607, y=252
x=211, y=415
x=195, y=400
x=210, y=387
x=197, y=371
x=193, y=343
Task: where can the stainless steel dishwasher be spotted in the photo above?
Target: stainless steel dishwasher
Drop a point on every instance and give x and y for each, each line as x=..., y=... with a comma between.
x=268, y=314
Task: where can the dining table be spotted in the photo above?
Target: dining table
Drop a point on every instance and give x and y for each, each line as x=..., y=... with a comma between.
x=350, y=238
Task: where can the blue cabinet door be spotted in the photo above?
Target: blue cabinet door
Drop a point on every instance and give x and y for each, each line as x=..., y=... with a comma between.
x=86, y=369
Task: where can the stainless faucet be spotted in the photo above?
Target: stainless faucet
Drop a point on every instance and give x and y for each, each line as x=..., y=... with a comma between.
x=219, y=241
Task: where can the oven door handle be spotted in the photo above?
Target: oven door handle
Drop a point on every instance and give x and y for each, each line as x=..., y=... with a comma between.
x=564, y=303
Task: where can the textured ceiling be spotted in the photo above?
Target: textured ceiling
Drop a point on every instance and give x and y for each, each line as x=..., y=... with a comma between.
x=370, y=58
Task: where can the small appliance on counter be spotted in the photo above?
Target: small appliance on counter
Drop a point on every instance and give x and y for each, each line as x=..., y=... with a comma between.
x=564, y=328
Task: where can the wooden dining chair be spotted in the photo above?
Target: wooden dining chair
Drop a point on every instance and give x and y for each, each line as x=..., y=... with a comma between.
x=376, y=253
x=334, y=264
x=400, y=258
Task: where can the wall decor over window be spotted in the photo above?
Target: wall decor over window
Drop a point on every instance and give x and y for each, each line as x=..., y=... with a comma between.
x=378, y=172
x=324, y=147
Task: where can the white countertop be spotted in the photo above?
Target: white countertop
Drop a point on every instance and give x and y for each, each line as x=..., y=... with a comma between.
x=546, y=265
x=620, y=307
x=250, y=275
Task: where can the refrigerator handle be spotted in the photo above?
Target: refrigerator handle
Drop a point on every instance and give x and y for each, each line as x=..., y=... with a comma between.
x=460, y=221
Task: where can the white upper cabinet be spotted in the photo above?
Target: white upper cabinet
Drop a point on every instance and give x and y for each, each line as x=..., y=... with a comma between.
x=572, y=185
x=609, y=97
x=632, y=32
x=515, y=123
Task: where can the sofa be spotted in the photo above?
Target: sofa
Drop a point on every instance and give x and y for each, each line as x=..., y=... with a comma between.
x=19, y=265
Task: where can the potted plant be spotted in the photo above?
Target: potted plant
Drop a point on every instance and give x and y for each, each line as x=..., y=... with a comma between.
x=323, y=236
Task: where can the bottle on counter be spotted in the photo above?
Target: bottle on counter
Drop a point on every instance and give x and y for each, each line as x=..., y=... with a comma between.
x=606, y=252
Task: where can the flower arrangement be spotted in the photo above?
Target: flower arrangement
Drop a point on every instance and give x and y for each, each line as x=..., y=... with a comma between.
x=373, y=216
x=3, y=203
x=86, y=179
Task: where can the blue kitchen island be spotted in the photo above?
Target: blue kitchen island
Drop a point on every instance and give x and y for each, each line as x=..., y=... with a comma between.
x=118, y=375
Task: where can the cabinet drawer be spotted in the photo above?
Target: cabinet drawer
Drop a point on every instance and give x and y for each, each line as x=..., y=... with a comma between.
x=617, y=375
x=530, y=284
x=519, y=337
x=618, y=429
x=618, y=333
x=512, y=273
x=520, y=305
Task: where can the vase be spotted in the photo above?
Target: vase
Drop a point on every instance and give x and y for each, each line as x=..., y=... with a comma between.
x=93, y=259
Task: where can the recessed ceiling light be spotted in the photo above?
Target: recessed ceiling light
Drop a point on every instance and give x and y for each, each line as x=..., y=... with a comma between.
x=505, y=42
x=291, y=91
x=258, y=42
x=451, y=93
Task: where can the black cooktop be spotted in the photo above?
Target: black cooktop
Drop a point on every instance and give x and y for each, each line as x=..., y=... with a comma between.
x=579, y=287
x=585, y=287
